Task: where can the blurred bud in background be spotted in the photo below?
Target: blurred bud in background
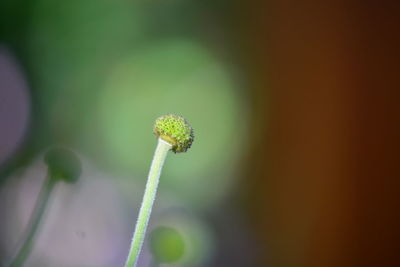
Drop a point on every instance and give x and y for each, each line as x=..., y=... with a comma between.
x=87, y=216
x=63, y=164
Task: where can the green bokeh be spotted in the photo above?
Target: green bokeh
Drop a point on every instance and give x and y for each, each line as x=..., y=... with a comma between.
x=70, y=47
x=166, y=244
x=106, y=70
x=199, y=239
x=179, y=77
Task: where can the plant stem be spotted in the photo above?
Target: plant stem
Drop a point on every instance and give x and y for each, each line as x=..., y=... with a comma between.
x=34, y=221
x=148, y=200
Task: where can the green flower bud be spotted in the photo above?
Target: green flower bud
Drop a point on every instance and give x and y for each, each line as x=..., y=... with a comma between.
x=176, y=131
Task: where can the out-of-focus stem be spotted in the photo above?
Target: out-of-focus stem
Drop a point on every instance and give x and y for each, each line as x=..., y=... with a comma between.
x=34, y=222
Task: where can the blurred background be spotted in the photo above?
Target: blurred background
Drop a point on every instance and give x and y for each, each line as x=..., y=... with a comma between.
x=295, y=107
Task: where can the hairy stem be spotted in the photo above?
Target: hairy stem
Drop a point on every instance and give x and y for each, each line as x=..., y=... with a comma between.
x=34, y=222
x=147, y=202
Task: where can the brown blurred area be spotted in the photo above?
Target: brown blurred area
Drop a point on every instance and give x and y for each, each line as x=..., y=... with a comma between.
x=323, y=171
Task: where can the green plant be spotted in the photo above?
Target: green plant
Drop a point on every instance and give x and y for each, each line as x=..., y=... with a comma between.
x=62, y=164
x=174, y=133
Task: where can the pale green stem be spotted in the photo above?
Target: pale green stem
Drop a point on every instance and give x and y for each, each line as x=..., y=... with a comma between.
x=147, y=203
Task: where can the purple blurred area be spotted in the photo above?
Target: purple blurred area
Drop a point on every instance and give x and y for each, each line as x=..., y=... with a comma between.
x=88, y=217
x=14, y=105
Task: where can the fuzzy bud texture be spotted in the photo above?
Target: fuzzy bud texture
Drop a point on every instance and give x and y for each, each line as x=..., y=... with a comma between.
x=176, y=131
